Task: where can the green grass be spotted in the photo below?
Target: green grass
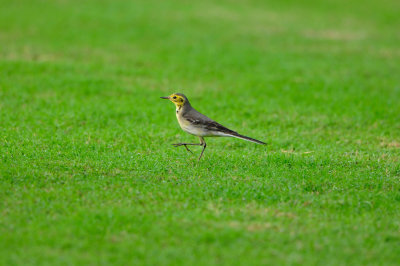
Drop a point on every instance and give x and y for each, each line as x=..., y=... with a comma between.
x=88, y=174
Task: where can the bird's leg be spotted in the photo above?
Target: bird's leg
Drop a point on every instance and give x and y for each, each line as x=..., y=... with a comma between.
x=188, y=149
x=202, y=143
x=185, y=144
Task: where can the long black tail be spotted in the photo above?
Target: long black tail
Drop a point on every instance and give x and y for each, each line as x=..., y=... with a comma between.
x=237, y=135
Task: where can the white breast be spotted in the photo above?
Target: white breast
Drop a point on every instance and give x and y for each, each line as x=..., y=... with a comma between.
x=189, y=128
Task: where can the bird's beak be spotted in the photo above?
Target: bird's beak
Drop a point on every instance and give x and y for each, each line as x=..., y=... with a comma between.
x=165, y=98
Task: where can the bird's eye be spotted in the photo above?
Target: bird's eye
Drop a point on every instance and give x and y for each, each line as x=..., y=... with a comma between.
x=174, y=97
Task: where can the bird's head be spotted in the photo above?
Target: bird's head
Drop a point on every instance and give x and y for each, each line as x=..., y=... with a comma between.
x=178, y=99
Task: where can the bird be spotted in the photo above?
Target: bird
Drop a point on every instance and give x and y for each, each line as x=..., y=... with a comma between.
x=197, y=124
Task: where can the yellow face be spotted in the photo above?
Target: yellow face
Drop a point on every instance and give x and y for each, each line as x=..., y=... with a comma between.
x=178, y=100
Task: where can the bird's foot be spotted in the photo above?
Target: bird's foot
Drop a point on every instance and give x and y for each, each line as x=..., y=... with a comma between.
x=178, y=144
x=182, y=144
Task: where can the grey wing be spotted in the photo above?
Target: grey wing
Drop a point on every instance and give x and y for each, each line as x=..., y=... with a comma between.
x=198, y=118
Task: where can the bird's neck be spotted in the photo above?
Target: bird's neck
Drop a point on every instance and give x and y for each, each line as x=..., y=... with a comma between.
x=180, y=109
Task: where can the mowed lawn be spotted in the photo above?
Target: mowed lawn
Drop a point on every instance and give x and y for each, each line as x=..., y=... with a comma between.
x=88, y=174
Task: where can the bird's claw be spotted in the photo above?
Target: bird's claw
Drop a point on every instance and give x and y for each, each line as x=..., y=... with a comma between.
x=188, y=149
x=177, y=144
x=182, y=144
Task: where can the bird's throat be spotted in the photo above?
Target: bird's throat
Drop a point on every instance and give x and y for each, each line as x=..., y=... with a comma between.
x=178, y=107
